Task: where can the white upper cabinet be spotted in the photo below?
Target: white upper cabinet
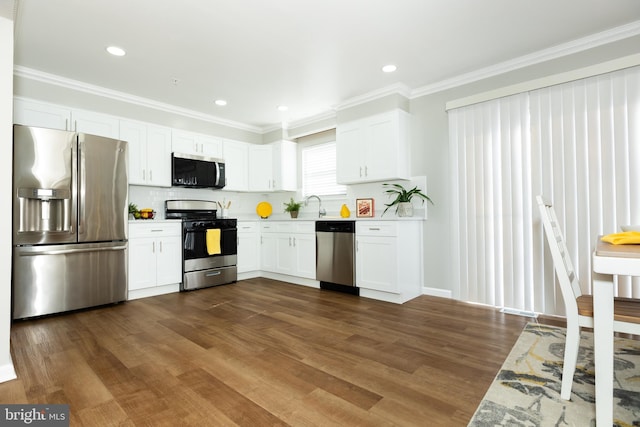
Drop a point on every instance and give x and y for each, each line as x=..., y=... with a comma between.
x=236, y=159
x=260, y=168
x=273, y=167
x=285, y=166
x=195, y=143
x=95, y=123
x=51, y=116
x=43, y=115
x=149, y=153
x=375, y=148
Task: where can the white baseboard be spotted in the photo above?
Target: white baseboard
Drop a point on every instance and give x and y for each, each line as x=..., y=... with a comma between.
x=291, y=279
x=435, y=292
x=7, y=373
x=153, y=291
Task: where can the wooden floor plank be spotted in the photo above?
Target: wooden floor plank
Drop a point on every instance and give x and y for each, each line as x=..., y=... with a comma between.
x=262, y=352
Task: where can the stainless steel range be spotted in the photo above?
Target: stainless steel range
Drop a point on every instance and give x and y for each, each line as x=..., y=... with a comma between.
x=209, y=244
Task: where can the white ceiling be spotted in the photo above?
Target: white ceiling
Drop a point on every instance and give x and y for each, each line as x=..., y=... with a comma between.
x=310, y=55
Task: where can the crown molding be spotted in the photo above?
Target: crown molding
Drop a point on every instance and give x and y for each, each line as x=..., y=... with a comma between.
x=394, y=89
x=40, y=76
x=326, y=115
x=575, y=46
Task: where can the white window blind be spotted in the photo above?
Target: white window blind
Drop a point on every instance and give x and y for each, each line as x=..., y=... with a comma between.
x=578, y=144
x=319, y=170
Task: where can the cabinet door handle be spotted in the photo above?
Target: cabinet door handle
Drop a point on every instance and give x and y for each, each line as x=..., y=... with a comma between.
x=366, y=171
x=360, y=171
x=150, y=175
x=144, y=175
x=289, y=241
x=294, y=242
x=160, y=245
x=154, y=247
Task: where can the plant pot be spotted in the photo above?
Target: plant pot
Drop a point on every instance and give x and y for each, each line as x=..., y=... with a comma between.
x=405, y=209
x=294, y=214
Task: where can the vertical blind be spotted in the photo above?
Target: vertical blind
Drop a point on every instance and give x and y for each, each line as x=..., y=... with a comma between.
x=577, y=144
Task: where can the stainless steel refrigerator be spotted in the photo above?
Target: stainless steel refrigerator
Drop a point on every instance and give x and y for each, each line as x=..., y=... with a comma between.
x=70, y=207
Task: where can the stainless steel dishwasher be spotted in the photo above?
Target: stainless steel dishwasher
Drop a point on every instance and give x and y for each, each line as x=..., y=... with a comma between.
x=335, y=256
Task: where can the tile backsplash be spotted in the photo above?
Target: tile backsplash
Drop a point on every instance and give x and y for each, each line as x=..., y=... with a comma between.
x=243, y=205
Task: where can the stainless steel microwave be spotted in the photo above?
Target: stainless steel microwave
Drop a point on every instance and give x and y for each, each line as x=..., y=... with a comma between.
x=188, y=170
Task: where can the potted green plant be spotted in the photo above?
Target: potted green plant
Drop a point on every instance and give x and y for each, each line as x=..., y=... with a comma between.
x=134, y=213
x=292, y=207
x=403, y=198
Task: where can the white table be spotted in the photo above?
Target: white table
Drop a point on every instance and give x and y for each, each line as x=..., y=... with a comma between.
x=608, y=261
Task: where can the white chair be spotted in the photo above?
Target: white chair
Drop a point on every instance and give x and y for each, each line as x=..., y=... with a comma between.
x=578, y=307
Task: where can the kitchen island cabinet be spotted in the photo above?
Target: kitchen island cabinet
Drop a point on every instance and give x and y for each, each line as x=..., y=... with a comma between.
x=155, y=258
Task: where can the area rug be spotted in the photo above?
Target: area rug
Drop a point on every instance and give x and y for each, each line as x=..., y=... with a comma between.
x=526, y=391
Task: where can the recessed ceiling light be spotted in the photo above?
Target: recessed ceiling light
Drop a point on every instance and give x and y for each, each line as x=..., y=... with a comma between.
x=221, y=102
x=282, y=108
x=116, y=51
x=389, y=68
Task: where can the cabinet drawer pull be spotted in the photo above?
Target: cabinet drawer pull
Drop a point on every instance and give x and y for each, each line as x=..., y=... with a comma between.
x=374, y=228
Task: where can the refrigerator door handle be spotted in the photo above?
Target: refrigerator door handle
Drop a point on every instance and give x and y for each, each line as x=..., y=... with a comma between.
x=71, y=251
x=81, y=189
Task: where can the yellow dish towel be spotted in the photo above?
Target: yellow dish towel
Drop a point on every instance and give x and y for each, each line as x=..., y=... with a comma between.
x=624, y=238
x=213, y=241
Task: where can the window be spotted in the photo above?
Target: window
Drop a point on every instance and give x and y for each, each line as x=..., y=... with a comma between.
x=319, y=170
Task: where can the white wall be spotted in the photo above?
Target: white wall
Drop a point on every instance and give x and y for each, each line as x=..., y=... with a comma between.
x=7, y=371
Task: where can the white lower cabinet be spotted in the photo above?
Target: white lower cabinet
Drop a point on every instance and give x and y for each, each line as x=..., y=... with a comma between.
x=289, y=247
x=155, y=258
x=248, y=247
x=389, y=259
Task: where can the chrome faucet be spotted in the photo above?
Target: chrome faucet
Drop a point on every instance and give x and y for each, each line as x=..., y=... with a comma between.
x=321, y=211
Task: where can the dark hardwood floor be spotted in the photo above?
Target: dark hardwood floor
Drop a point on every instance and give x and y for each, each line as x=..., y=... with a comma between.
x=264, y=353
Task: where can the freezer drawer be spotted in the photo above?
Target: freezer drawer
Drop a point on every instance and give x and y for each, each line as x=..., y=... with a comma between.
x=56, y=278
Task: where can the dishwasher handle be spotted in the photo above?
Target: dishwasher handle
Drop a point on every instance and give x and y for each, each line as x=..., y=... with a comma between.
x=336, y=226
